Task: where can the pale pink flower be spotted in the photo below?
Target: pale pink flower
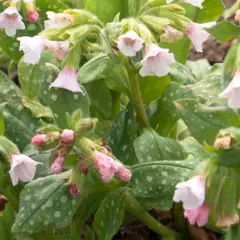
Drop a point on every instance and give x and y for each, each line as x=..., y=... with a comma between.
x=156, y=61
x=124, y=174
x=11, y=21
x=67, y=79
x=57, y=165
x=23, y=168
x=32, y=47
x=67, y=136
x=197, y=35
x=130, y=43
x=190, y=193
x=171, y=35
x=58, y=20
x=39, y=139
x=232, y=92
x=33, y=16
x=58, y=48
x=105, y=166
x=198, y=215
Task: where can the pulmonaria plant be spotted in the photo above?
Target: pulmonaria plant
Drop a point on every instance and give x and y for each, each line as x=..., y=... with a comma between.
x=101, y=119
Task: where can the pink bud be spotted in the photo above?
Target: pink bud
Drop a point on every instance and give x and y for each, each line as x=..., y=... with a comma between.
x=67, y=136
x=125, y=174
x=33, y=16
x=39, y=139
x=73, y=190
x=57, y=165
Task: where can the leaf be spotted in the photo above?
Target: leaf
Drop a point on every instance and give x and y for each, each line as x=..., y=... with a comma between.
x=152, y=147
x=109, y=216
x=101, y=97
x=201, y=119
x=166, y=115
x=121, y=136
x=181, y=74
x=232, y=233
x=134, y=6
x=44, y=202
x=152, y=87
x=224, y=31
x=211, y=11
x=153, y=183
x=199, y=68
x=51, y=5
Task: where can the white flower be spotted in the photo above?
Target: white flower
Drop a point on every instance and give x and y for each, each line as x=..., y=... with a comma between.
x=58, y=20
x=156, y=61
x=196, y=3
x=67, y=79
x=11, y=20
x=232, y=92
x=197, y=35
x=190, y=193
x=23, y=168
x=32, y=47
x=58, y=48
x=130, y=43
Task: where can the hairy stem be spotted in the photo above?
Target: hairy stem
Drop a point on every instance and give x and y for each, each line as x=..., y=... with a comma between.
x=138, y=211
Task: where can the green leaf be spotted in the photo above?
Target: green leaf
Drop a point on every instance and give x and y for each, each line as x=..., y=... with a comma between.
x=44, y=202
x=152, y=147
x=152, y=87
x=225, y=31
x=123, y=133
x=201, y=119
x=211, y=11
x=232, y=233
x=166, y=115
x=153, y=183
x=181, y=74
x=134, y=6
x=109, y=216
x=51, y=5
x=101, y=97
x=90, y=235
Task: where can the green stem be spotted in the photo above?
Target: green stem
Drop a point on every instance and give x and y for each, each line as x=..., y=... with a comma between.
x=137, y=100
x=138, y=211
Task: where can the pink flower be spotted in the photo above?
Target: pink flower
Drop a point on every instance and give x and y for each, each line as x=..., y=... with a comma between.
x=198, y=215
x=130, y=43
x=105, y=166
x=58, y=20
x=57, y=165
x=32, y=47
x=190, y=193
x=67, y=136
x=156, y=61
x=67, y=79
x=23, y=168
x=73, y=190
x=33, y=16
x=11, y=20
x=197, y=35
x=58, y=49
x=232, y=92
x=39, y=139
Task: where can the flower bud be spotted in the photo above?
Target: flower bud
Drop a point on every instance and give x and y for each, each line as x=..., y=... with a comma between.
x=237, y=16
x=57, y=165
x=33, y=16
x=86, y=125
x=223, y=142
x=39, y=139
x=73, y=190
x=171, y=35
x=67, y=136
x=3, y=202
x=124, y=174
